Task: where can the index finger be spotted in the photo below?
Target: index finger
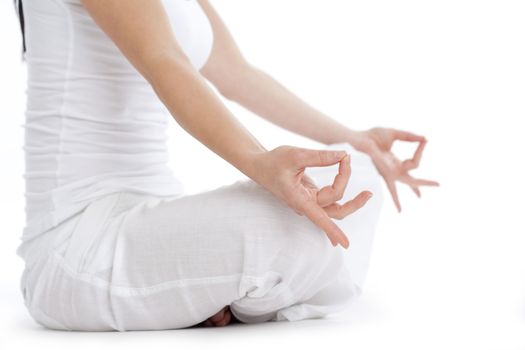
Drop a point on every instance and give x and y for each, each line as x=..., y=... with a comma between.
x=331, y=193
x=321, y=219
x=413, y=163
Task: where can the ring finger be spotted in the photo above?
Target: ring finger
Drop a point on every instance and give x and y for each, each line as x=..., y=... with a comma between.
x=340, y=211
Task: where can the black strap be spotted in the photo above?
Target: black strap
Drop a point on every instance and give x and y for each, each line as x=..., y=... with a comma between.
x=20, y=10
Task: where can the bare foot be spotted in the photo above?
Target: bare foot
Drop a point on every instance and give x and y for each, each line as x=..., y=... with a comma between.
x=220, y=319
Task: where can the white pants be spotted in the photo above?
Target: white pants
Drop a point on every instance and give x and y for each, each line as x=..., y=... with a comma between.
x=136, y=262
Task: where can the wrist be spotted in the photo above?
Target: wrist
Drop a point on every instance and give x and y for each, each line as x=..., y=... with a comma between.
x=249, y=162
x=360, y=140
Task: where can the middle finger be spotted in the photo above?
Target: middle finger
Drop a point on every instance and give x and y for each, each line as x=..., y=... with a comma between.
x=409, y=180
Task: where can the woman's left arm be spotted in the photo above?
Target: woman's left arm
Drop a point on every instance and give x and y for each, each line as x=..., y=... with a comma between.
x=239, y=81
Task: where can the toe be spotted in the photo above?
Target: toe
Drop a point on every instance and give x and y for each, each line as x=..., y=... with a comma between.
x=219, y=315
x=225, y=320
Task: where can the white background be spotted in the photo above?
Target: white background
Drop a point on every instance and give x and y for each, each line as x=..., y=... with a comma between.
x=448, y=272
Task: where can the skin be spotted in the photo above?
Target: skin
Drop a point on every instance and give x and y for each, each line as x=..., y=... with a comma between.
x=142, y=32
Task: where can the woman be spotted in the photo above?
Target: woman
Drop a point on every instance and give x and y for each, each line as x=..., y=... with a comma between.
x=112, y=242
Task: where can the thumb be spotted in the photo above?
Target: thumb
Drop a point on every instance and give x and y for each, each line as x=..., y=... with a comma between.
x=316, y=158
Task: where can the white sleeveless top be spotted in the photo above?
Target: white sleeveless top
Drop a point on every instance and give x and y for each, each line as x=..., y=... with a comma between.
x=93, y=124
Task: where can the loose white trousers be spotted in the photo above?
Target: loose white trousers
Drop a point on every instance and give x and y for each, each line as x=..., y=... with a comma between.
x=136, y=262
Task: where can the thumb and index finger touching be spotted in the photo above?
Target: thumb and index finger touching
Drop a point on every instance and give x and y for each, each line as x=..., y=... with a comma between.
x=313, y=210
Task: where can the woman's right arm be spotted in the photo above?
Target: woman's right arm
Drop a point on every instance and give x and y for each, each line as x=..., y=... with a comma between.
x=142, y=31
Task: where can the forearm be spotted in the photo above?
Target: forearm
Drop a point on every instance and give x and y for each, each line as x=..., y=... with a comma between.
x=201, y=113
x=260, y=93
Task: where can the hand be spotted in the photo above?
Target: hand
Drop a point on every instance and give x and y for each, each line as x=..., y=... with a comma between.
x=377, y=143
x=282, y=172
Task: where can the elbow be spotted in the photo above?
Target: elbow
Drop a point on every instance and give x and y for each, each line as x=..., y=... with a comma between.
x=154, y=66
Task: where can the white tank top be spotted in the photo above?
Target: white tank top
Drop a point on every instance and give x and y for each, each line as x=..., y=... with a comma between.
x=93, y=124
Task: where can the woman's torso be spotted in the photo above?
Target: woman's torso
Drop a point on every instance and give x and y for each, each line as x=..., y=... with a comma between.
x=93, y=124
